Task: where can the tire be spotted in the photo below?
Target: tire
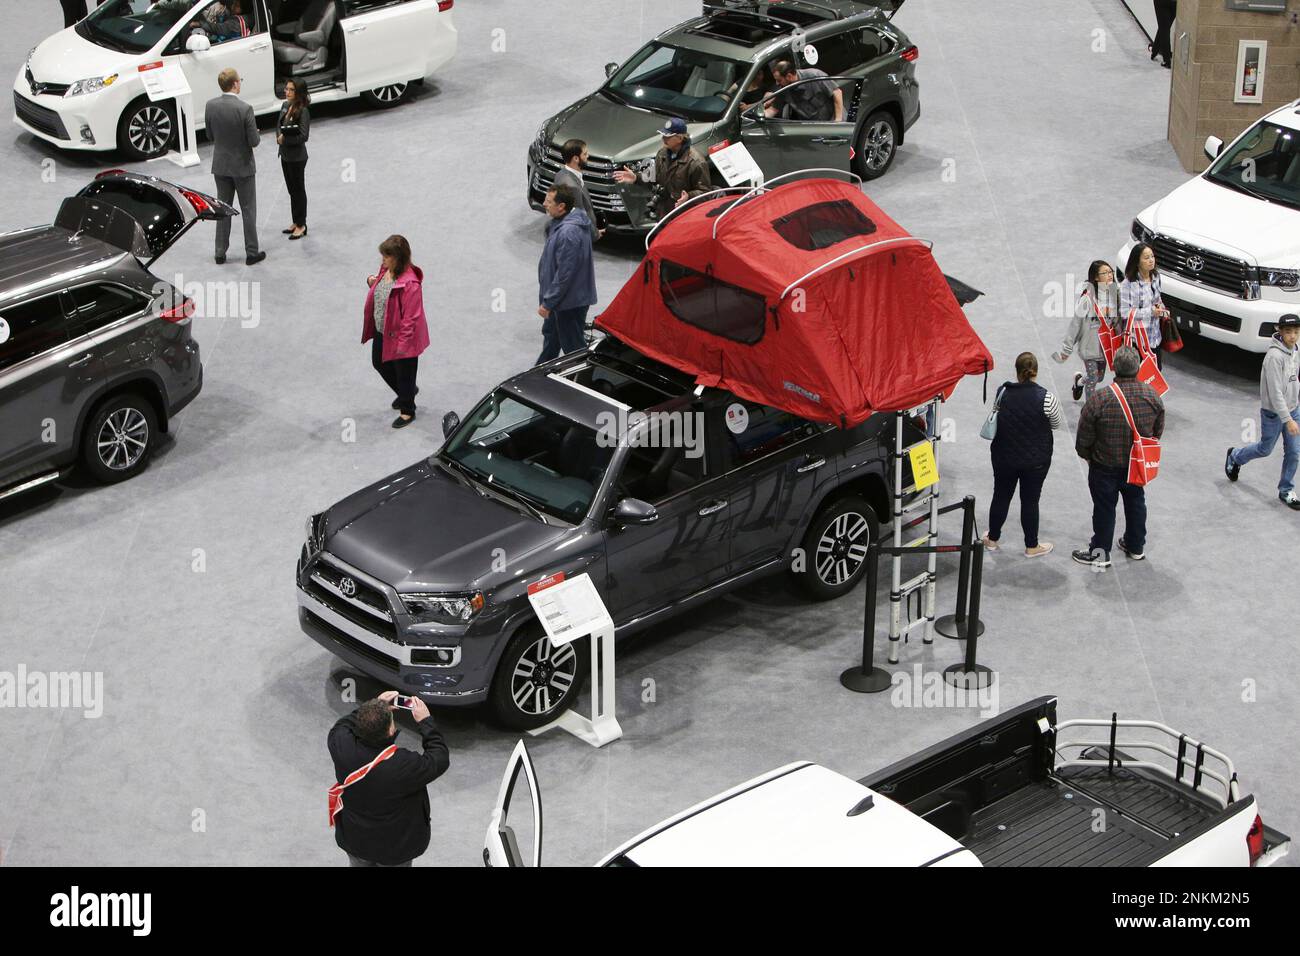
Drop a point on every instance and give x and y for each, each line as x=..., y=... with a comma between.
x=877, y=145
x=835, y=548
x=118, y=438
x=526, y=701
x=388, y=96
x=146, y=129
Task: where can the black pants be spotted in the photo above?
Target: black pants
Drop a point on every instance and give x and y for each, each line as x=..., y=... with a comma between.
x=399, y=374
x=73, y=10
x=1030, y=481
x=295, y=178
x=1166, y=11
x=1106, y=486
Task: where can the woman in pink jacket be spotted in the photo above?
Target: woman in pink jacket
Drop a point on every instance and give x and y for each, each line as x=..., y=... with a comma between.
x=394, y=318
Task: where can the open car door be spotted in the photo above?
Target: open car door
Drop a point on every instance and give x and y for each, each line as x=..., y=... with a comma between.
x=783, y=144
x=161, y=212
x=501, y=846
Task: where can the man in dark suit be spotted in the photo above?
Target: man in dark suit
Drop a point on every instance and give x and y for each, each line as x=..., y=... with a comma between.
x=384, y=820
x=233, y=130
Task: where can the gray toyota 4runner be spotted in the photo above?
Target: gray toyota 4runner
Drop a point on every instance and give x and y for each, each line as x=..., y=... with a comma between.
x=96, y=355
x=711, y=71
x=420, y=580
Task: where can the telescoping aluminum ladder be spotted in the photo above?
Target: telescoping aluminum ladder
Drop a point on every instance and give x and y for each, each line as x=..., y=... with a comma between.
x=927, y=501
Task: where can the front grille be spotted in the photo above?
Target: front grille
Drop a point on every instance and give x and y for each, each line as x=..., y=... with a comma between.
x=348, y=642
x=598, y=175
x=1216, y=271
x=1206, y=316
x=48, y=89
x=375, y=615
x=38, y=117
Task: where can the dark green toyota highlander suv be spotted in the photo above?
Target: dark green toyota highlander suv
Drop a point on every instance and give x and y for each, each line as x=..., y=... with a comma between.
x=714, y=71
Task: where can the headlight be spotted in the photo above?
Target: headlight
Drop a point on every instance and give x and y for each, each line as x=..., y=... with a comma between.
x=443, y=608
x=91, y=85
x=538, y=148
x=315, y=533
x=1285, y=279
x=1141, y=233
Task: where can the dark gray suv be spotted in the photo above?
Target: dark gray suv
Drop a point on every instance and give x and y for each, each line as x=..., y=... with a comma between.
x=602, y=462
x=96, y=355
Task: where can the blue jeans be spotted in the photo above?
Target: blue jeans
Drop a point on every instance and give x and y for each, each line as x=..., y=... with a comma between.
x=563, y=331
x=1270, y=427
x=1107, y=485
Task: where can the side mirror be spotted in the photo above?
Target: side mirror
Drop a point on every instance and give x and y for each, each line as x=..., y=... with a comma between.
x=1213, y=147
x=198, y=43
x=610, y=69
x=635, y=511
x=450, y=422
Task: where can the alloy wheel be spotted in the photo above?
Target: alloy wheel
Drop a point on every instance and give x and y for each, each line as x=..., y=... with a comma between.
x=150, y=130
x=391, y=93
x=878, y=145
x=842, y=548
x=123, y=439
x=542, y=677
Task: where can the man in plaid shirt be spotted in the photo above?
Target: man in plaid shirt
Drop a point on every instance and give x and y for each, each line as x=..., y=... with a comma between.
x=1105, y=442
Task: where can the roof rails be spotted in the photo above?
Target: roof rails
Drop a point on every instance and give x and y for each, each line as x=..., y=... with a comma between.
x=738, y=6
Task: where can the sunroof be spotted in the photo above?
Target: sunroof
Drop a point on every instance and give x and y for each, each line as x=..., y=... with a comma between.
x=746, y=29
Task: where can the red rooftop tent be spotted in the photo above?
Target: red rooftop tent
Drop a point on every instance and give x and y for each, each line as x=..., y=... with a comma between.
x=805, y=297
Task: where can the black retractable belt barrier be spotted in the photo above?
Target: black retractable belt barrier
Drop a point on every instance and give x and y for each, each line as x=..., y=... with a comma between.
x=954, y=625
x=970, y=674
x=868, y=679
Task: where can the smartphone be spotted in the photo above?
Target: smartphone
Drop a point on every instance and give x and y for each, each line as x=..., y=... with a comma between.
x=406, y=703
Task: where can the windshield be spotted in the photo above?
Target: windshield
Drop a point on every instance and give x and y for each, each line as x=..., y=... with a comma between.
x=132, y=26
x=685, y=83
x=548, y=461
x=1265, y=163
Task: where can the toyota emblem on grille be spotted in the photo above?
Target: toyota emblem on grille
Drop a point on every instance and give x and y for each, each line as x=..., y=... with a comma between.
x=1195, y=263
x=347, y=587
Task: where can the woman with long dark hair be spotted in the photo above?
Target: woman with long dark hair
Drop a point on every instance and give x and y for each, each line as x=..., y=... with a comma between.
x=1098, y=300
x=1140, y=293
x=394, y=319
x=292, y=127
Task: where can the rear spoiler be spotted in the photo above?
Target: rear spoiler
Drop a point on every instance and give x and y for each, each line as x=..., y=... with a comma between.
x=85, y=216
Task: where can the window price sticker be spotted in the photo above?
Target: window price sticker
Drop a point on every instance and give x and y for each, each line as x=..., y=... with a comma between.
x=570, y=609
x=925, y=470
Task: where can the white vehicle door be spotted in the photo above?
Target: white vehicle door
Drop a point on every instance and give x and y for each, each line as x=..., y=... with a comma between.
x=383, y=42
x=501, y=846
x=239, y=35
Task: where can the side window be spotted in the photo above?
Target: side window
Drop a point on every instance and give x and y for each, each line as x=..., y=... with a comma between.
x=670, y=459
x=95, y=306
x=836, y=55
x=875, y=44
x=760, y=430
x=352, y=7
x=29, y=329
x=225, y=20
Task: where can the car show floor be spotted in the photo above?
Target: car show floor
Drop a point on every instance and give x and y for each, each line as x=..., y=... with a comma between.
x=178, y=585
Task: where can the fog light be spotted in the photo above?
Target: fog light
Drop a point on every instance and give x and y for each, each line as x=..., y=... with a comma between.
x=87, y=136
x=435, y=656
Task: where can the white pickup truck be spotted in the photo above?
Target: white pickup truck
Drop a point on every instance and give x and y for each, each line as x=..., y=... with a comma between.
x=1021, y=789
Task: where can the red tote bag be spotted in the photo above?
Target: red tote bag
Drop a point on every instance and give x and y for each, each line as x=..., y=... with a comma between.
x=1110, y=338
x=1149, y=372
x=1144, y=459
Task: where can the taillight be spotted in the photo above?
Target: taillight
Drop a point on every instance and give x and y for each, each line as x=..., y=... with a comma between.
x=911, y=54
x=109, y=172
x=1255, y=840
x=197, y=201
x=445, y=5
x=719, y=146
x=179, y=313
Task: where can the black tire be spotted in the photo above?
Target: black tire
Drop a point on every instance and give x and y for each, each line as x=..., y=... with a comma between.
x=835, y=548
x=387, y=96
x=146, y=129
x=519, y=701
x=119, y=438
x=877, y=145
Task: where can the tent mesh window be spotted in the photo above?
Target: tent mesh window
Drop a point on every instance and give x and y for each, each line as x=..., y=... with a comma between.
x=707, y=303
x=823, y=224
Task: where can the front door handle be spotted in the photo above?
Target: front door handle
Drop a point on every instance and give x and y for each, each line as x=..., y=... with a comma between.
x=82, y=361
x=258, y=46
x=713, y=507
x=830, y=140
x=812, y=465
x=355, y=28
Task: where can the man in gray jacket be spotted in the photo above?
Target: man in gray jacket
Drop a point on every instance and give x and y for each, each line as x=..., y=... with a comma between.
x=1279, y=396
x=233, y=130
x=573, y=155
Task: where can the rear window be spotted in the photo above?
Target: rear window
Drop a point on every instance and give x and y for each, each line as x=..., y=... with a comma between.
x=823, y=224
x=716, y=307
x=155, y=211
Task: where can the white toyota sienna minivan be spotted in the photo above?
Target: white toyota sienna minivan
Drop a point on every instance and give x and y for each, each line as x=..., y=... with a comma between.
x=82, y=88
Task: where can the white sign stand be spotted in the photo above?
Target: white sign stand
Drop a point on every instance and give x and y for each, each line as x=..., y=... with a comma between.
x=737, y=165
x=569, y=610
x=167, y=81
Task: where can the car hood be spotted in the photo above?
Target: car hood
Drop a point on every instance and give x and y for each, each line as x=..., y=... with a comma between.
x=66, y=58
x=614, y=131
x=424, y=530
x=1224, y=220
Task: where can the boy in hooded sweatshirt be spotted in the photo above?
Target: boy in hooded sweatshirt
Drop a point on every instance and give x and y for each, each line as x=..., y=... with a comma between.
x=1279, y=395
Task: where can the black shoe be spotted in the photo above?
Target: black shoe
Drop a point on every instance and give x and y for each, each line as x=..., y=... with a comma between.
x=286, y=232
x=255, y=258
x=1077, y=388
x=1230, y=467
x=400, y=422
x=1135, y=555
x=300, y=235
x=1093, y=557
x=219, y=260
x=1290, y=500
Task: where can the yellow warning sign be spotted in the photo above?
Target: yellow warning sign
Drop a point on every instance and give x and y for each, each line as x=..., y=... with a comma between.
x=925, y=470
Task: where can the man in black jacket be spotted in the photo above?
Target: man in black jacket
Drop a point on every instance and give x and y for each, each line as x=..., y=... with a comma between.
x=385, y=815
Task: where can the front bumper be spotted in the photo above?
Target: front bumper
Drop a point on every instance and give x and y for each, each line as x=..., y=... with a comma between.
x=86, y=122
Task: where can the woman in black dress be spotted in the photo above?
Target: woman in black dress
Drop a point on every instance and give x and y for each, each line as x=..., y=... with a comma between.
x=292, y=127
x=1166, y=12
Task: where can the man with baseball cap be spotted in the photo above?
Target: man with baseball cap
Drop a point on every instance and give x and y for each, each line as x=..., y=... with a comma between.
x=680, y=173
x=1279, y=414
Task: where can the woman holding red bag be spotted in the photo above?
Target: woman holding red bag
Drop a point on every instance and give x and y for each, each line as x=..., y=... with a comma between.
x=1098, y=303
x=1140, y=293
x=394, y=319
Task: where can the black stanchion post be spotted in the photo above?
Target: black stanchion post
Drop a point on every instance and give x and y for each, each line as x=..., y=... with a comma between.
x=969, y=673
x=868, y=679
x=954, y=625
